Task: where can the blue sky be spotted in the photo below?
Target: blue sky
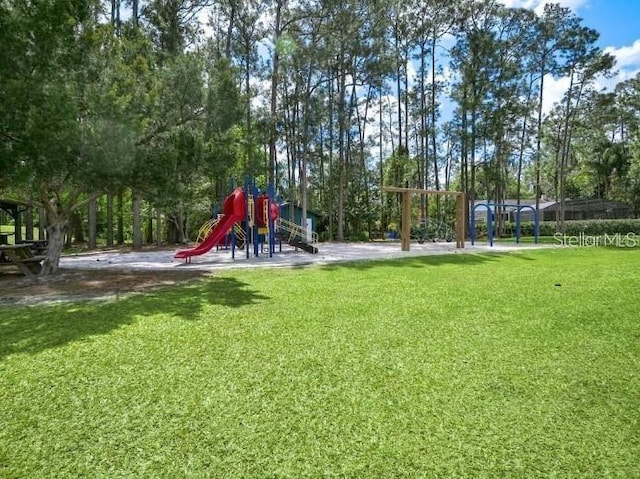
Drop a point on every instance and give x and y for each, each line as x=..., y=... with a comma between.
x=617, y=21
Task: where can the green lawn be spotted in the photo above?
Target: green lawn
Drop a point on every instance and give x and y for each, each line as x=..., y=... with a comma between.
x=520, y=365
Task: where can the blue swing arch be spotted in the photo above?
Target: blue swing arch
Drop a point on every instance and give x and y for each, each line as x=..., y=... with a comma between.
x=491, y=219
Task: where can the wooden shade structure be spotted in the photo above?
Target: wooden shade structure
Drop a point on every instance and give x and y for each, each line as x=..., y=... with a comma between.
x=14, y=208
x=406, y=212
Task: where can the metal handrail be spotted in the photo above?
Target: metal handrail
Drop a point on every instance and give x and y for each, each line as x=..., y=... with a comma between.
x=205, y=229
x=240, y=233
x=295, y=231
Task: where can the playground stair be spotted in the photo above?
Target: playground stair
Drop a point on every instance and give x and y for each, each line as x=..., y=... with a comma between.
x=296, y=236
x=241, y=237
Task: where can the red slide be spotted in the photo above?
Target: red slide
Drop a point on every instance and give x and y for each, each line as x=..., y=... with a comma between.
x=234, y=211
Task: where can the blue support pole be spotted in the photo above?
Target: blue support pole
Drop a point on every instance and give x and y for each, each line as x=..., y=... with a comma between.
x=272, y=223
x=247, y=229
x=491, y=217
x=256, y=235
x=472, y=222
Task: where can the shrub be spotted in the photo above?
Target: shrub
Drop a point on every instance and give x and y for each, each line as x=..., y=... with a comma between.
x=586, y=227
x=359, y=236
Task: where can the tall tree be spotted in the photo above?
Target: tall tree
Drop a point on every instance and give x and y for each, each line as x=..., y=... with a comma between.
x=553, y=32
x=584, y=62
x=49, y=147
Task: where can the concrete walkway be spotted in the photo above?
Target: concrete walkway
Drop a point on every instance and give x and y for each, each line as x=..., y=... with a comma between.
x=328, y=253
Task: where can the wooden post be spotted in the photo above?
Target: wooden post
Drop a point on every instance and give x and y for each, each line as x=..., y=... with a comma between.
x=406, y=221
x=17, y=238
x=406, y=212
x=460, y=220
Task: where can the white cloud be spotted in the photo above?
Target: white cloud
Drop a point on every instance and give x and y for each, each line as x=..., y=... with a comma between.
x=530, y=4
x=412, y=74
x=627, y=57
x=627, y=65
x=554, y=89
x=538, y=5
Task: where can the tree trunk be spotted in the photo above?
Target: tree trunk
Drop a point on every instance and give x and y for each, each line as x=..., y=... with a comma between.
x=93, y=223
x=423, y=166
x=472, y=152
x=383, y=220
x=464, y=159
x=77, y=229
x=434, y=146
x=539, y=132
x=303, y=169
x=564, y=153
x=361, y=149
x=341, y=148
x=137, y=220
x=149, y=235
x=120, y=213
x=55, y=235
x=520, y=160
x=249, y=125
x=109, y=219
x=398, y=83
x=274, y=94
x=135, y=11
x=57, y=225
x=406, y=98
x=232, y=16
x=305, y=151
x=42, y=224
x=158, y=227
x=330, y=197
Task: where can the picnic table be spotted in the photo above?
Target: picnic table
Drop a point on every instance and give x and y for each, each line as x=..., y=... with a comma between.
x=4, y=238
x=39, y=247
x=22, y=256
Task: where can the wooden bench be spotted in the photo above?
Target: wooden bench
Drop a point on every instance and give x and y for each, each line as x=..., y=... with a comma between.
x=21, y=255
x=4, y=238
x=38, y=246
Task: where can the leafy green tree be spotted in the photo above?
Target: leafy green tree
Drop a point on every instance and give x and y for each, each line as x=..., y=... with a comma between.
x=51, y=149
x=584, y=62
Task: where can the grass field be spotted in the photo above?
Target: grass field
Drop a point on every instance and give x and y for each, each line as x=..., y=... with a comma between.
x=520, y=365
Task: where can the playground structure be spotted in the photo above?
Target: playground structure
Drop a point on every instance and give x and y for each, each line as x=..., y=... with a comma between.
x=430, y=230
x=491, y=218
x=406, y=212
x=254, y=219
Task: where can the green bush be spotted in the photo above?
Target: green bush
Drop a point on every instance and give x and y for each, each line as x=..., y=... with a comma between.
x=586, y=227
x=572, y=227
x=358, y=236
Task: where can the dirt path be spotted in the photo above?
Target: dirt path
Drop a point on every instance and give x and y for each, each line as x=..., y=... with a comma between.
x=79, y=285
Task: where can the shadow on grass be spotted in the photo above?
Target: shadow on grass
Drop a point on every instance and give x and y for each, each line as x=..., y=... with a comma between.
x=35, y=329
x=462, y=259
